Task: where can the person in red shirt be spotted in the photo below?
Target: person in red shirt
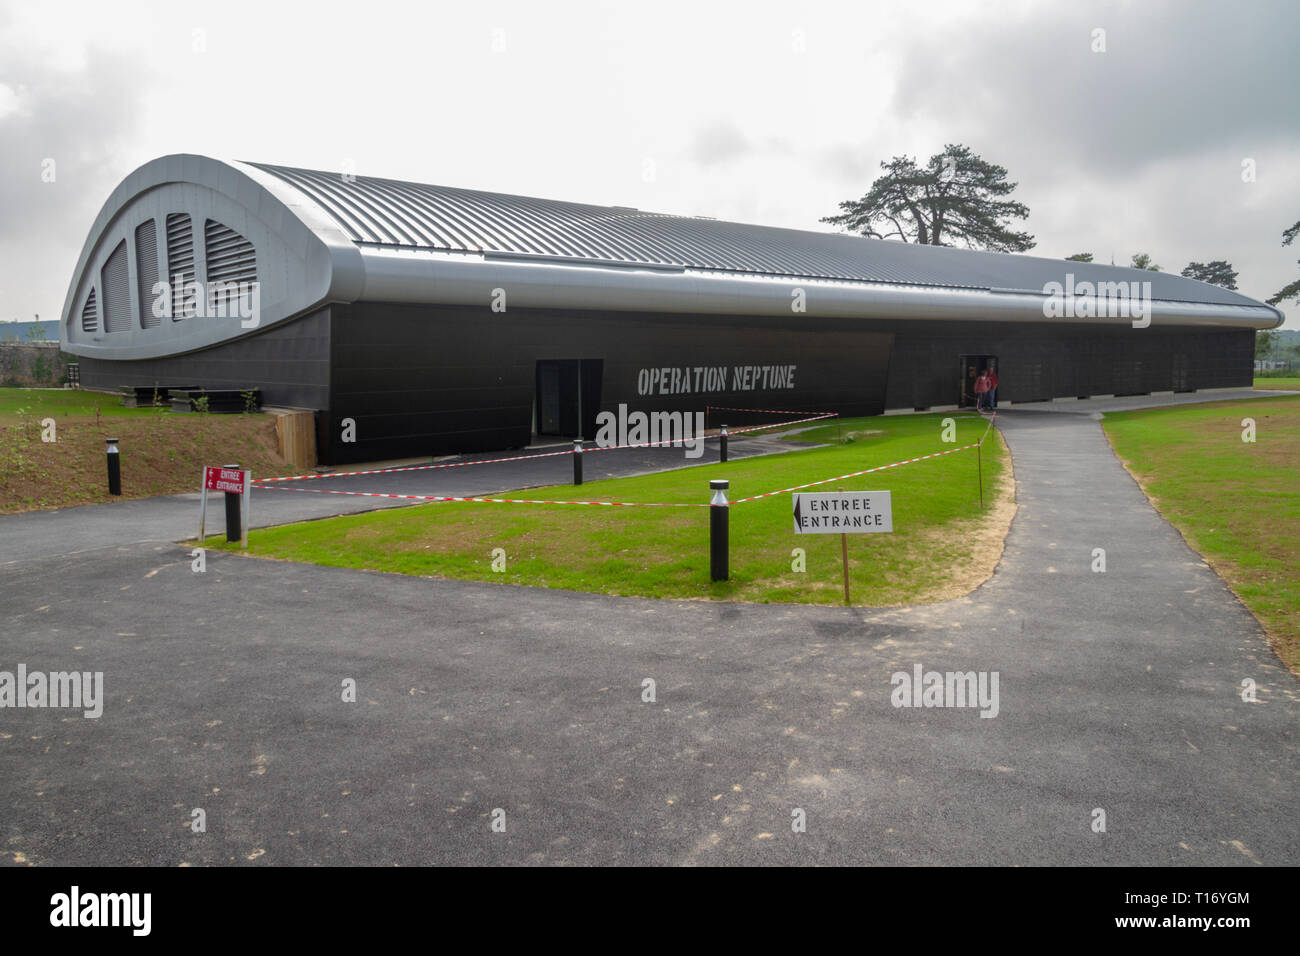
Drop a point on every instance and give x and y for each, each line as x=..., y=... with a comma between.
x=993, y=388
x=981, y=391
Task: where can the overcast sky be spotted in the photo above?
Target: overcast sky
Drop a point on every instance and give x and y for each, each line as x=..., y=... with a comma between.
x=759, y=112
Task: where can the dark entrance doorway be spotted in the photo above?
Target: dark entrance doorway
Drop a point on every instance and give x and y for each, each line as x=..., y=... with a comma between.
x=971, y=368
x=568, y=396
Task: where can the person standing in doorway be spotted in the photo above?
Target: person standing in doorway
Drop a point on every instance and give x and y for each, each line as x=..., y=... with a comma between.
x=981, y=391
x=993, y=387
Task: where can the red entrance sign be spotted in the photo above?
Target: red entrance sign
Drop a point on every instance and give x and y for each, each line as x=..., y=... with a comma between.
x=224, y=479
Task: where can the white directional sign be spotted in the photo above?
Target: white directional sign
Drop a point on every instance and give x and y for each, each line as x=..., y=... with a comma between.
x=842, y=512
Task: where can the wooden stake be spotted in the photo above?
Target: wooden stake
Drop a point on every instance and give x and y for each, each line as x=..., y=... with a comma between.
x=979, y=463
x=844, y=546
x=844, y=550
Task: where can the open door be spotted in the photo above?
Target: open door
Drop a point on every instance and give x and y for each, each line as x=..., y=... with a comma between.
x=972, y=366
x=568, y=396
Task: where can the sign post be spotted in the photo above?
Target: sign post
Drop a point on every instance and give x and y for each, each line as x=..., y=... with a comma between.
x=236, y=483
x=203, y=506
x=844, y=547
x=843, y=513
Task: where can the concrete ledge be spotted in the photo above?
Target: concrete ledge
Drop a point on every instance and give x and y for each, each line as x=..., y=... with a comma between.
x=378, y=465
x=924, y=411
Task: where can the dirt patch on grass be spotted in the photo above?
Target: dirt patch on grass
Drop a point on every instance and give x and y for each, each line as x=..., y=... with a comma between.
x=160, y=455
x=937, y=564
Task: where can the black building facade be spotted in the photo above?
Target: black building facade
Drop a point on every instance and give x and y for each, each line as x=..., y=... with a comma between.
x=442, y=320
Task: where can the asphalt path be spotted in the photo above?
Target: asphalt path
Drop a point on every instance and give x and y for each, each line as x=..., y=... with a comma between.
x=1118, y=691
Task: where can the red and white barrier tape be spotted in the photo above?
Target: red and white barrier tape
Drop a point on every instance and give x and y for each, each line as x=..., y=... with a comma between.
x=988, y=428
x=612, y=504
x=768, y=411
x=493, y=461
x=393, y=471
x=769, y=494
x=800, y=421
x=502, y=501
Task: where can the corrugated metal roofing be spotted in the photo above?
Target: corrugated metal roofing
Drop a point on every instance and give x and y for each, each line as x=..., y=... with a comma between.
x=390, y=213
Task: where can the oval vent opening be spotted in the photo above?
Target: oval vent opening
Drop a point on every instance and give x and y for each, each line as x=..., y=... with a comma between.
x=116, y=284
x=180, y=265
x=146, y=271
x=90, y=314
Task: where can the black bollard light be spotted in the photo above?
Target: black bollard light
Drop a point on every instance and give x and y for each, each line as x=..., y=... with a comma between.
x=114, y=467
x=234, y=527
x=577, y=461
x=723, y=438
x=719, y=517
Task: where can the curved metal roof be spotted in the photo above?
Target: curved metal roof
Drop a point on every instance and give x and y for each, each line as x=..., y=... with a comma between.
x=308, y=238
x=389, y=213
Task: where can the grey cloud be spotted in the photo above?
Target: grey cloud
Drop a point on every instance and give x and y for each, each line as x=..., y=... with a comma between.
x=80, y=120
x=718, y=142
x=1175, y=78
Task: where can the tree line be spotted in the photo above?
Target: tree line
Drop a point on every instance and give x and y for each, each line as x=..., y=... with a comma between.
x=957, y=196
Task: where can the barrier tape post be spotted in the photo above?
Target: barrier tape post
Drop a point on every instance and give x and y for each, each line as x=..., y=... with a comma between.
x=114, y=467
x=719, y=513
x=577, y=460
x=723, y=442
x=979, y=460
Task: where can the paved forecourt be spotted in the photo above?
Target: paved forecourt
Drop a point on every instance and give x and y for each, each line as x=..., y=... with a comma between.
x=1116, y=692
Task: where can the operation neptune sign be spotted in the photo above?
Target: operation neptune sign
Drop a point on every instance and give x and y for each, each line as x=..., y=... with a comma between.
x=842, y=512
x=686, y=380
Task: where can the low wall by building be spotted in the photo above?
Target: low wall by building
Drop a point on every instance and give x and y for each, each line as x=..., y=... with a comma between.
x=32, y=364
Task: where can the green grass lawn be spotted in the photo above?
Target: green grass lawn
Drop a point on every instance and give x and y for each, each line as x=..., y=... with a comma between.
x=161, y=452
x=942, y=546
x=1237, y=503
x=1278, y=381
x=28, y=403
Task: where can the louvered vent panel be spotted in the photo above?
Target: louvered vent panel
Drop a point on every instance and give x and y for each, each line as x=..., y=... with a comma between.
x=146, y=268
x=90, y=314
x=230, y=255
x=230, y=261
x=116, y=283
x=180, y=264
